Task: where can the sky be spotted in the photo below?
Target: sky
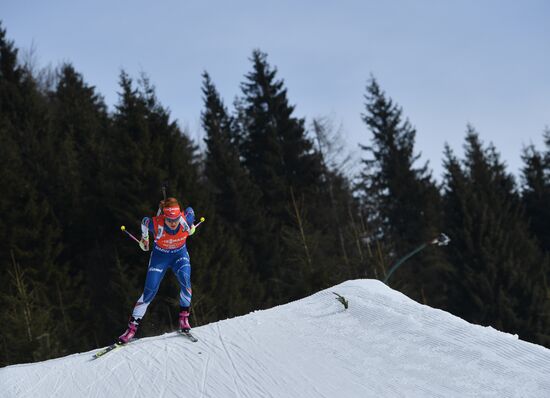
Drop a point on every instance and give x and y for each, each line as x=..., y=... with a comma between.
x=447, y=64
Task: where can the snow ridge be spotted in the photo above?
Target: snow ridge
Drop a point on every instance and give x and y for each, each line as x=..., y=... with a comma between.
x=383, y=345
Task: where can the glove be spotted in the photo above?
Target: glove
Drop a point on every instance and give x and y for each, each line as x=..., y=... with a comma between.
x=144, y=243
x=192, y=230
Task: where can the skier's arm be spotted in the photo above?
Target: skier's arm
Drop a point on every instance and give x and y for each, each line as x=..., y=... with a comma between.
x=187, y=220
x=146, y=226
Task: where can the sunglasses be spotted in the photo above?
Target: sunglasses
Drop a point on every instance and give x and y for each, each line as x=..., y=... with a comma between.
x=172, y=220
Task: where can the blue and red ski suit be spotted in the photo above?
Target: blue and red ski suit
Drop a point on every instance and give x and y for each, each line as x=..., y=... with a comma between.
x=168, y=251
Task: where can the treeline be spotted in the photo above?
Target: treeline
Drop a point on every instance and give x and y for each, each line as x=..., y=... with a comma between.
x=284, y=219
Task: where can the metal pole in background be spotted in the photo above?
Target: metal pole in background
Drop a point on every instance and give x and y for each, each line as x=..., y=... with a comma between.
x=441, y=240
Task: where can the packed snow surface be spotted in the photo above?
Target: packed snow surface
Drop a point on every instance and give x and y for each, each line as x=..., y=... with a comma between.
x=383, y=345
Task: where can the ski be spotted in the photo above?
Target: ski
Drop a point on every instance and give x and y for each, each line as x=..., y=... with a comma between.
x=107, y=349
x=188, y=335
x=119, y=344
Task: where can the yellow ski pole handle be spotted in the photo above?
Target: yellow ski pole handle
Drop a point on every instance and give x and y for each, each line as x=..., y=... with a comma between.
x=202, y=219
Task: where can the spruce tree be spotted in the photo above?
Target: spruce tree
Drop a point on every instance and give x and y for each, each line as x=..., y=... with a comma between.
x=281, y=161
x=80, y=124
x=400, y=199
x=37, y=243
x=341, y=206
x=275, y=146
x=234, y=195
x=319, y=240
x=27, y=323
x=536, y=191
x=498, y=269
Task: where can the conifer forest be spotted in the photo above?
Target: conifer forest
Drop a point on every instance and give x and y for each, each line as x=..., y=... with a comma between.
x=285, y=217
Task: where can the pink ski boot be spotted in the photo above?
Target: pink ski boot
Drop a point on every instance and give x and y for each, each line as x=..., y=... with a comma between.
x=184, y=321
x=130, y=332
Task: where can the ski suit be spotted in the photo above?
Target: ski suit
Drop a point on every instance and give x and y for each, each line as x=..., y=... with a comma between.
x=169, y=251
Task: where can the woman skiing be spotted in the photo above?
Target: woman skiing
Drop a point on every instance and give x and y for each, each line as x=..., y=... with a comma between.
x=170, y=229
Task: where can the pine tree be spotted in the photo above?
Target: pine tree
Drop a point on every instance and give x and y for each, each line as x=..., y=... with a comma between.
x=25, y=335
x=79, y=125
x=341, y=207
x=275, y=147
x=223, y=285
x=401, y=200
x=148, y=149
x=36, y=244
x=498, y=270
x=536, y=191
x=305, y=269
x=280, y=158
x=318, y=240
x=235, y=197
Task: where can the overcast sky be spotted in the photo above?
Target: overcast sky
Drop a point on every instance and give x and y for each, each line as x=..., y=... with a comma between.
x=446, y=63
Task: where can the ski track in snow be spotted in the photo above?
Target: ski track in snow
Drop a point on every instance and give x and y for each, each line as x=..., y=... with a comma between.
x=204, y=376
x=383, y=345
x=235, y=370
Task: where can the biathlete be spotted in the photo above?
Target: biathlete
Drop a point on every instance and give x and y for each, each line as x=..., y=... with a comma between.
x=170, y=229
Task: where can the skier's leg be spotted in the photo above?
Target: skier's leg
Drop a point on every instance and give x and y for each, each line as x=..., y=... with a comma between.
x=155, y=272
x=182, y=269
x=158, y=264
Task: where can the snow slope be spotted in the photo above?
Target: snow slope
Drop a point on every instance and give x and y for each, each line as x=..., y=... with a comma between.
x=384, y=345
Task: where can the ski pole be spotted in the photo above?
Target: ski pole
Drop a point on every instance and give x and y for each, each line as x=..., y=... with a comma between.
x=202, y=219
x=123, y=229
